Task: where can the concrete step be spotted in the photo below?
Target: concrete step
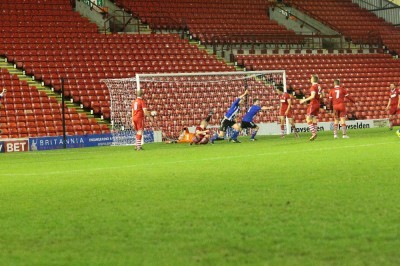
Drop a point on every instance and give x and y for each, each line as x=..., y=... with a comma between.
x=10, y=68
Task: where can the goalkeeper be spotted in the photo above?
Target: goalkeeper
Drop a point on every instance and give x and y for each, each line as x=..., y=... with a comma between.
x=229, y=120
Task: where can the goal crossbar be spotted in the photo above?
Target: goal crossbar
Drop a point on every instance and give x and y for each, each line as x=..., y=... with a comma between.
x=183, y=99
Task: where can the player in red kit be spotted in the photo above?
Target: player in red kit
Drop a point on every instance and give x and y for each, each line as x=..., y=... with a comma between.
x=285, y=111
x=313, y=108
x=202, y=134
x=393, y=105
x=337, y=96
x=139, y=111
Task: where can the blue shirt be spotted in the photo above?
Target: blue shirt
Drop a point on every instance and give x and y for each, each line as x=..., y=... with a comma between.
x=253, y=110
x=233, y=110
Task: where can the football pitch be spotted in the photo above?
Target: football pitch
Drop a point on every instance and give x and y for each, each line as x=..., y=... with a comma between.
x=268, y=202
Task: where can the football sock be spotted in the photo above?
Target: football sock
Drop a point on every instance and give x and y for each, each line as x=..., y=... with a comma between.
x=311, y=127
x=214, y=137
x=209, y=116
x=344, y=129
x=282, y=130
x=254, y=134
x=335, y=128
x=235, y=134
x=294, y=129
x=138, y=141
x=314, y=132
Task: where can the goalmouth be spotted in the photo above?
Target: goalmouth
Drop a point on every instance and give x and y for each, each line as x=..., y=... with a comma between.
x=182, y=100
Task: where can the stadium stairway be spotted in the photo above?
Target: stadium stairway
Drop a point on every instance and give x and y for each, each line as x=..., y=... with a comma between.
x=32, y=110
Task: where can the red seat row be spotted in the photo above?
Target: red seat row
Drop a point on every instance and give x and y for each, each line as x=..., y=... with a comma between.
x=208, y=20
x=366, y=76
x=362, y=27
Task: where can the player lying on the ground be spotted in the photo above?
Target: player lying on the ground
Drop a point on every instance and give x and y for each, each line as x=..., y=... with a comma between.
x=202, y=134
x=185, y=136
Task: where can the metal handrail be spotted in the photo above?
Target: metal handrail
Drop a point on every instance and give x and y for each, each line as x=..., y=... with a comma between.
x=102, y=12
x=303, y=22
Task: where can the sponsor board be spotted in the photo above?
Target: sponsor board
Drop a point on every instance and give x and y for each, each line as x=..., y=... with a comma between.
x=129, y=136
x=380, y=123
x=274, y=128
x=79, y=141
x=357, y=125
x=17, y=145
x=99, y=140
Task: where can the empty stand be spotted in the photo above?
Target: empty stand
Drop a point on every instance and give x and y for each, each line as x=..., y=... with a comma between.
x=51, y=42
x=366, y=76
x=31, y=113
x=213, y=21
x=357, y=24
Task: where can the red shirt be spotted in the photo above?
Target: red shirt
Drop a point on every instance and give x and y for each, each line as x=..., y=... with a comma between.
x=337, y=95
x=284, y=100
x=137, y=107
x=394, y=96
x=200, y=135
x=317, y=89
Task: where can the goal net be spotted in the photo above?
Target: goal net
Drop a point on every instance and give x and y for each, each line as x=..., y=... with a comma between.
x=182, y=100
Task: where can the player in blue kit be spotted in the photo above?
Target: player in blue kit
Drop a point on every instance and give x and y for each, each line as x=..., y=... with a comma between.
x=229, y=120
x=247, y=121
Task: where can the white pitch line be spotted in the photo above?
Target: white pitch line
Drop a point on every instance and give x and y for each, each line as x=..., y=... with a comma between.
x=194, y=160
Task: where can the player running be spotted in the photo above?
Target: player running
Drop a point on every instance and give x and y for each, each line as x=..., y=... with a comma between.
x=337, y=96
x=229, y=120
x=247, y=120
x=313, y=108
x=393, y=105
x=139, y=111
x=285, y=111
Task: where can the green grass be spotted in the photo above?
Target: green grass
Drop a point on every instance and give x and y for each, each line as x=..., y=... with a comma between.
x=270, y=202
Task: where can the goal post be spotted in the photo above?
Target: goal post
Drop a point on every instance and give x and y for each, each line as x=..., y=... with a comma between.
x=182, y=100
